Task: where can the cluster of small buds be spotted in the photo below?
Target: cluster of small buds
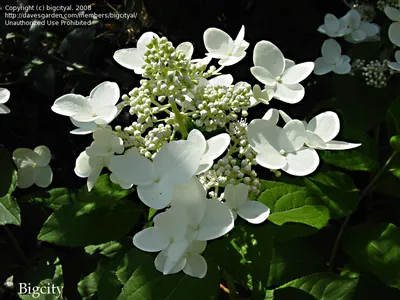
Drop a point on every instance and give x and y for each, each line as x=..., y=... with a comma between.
x=215, y=106
x=367, y=11
x=376, y=73
x=141, y=104
x=132, y=134
x=238, y=134
x=381, y=4
x=171, y=74
x=154, y=140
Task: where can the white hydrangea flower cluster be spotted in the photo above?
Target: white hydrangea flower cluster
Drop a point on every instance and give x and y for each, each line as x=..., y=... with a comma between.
x=201, y=185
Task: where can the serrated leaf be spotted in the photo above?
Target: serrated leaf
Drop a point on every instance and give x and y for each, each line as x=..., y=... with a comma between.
x=376, y=247
x=142, y=281
x=9, y=211
x=337, y=190
x=292, y=203
x=8, y=174
x=78, y=226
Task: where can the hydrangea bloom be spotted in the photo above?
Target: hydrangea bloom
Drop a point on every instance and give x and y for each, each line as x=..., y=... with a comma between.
x=221, y=46
x=278, y=73
x=394, y=29
x=360, y=30
x=395, y=65
x=33, y=167
x=4, y=96
x=85, y=112
x=331, y=59
x=333, y=26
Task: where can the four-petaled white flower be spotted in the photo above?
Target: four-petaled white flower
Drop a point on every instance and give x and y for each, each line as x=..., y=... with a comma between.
x=280, y=74
x=395, y=65
x=261, y=96
x=33, y=167
x=221, y=46
x=4, y=96
x=86, y=112
x=394, y=29
x=331, y=59
x=236, y=199
x=359, y=30
x=175, y=163
x=91, y=162
x=334, y=27
x=133, y=58
x=282, y=148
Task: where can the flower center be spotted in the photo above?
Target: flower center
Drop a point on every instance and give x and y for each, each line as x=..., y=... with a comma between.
x=282, y=152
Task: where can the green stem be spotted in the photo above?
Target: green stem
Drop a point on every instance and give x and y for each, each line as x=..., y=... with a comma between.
x=179, y=119
x=368, y=189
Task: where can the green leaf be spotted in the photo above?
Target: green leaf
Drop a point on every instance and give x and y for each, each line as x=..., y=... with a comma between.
x=57, y=197
x=142, y=281
x=376, y=247
x=81, y=225
x=393, y=118
x=322, y=286
x=9, y=211
x=363, y=158
x=8, y=174
x=292, y=203
x=336, y=190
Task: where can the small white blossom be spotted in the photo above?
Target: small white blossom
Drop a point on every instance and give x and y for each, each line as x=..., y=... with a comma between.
x=394, y=29
x=4, y=97
x=334, y=27
x=331, y=59
x=33, y=167
x=395, y=65
x=360, y=30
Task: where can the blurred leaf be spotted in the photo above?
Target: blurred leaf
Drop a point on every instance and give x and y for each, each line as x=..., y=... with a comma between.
x=8, y=174
x=376, y=247
x=9, y=211
x=336, y=190
x=43, y=78
x=77, y=45
x=292, y=203
x=393, y=118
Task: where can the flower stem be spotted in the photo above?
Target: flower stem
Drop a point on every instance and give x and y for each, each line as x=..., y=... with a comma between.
x=365, y=192
x=179, y=119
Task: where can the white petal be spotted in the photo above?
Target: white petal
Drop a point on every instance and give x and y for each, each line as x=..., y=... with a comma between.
x=93, y=176
x=71, y=104
x=144, y=39
x=44, y=155
x=157, y=194
x=225, y=80
x=289, y=63
x=253, y=212
x=326, y=125
x=4, y=109
x=232, y=59
x=358, y=35
x=397, y=56
x=392, y=13
x=285, y=116
x=178, y=161
x=44, y=177
x=263, y=136
x=83, y=127
x=338, y=145
x=186, y=48
x=369, y=28
x=331, y=22
x=24, y=157
x=289, y=93
x=239, y=40
x=172, y=223
x=215, y=147
x=271, y=115
x=4, y=95
x=174, y=253
x=271, y=160
x=107, y=114
x=104, y=94
x=268, y=56
x=133, y=168
x=302, y=162
x=196, y=247
x=236, y=196
x=82, y=166
x=354, y=18
x=394, y=33
x=161, y=260
x=342, y=68
x=293, y=136
x=26, y=177
x=314, y=140
x=217, y=42
x=331, y=50
x=263, y=96
x=150, y=240
x=196, y=266
x=217, y=221
x=130, y=58
x=322, y=66
x=121, y=182
x=394, y=65
x=263, y=75
x=297, y=73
